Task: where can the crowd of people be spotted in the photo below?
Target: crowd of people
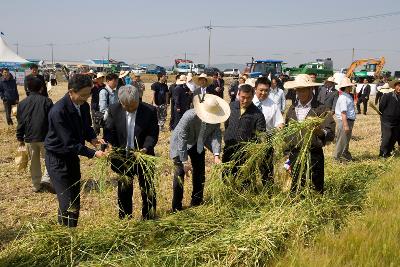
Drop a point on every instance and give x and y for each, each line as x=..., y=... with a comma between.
x=118, y=119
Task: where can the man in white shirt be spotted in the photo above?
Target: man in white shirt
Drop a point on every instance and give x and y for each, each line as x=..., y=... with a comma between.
x=277, y=95
x=345, y=115
x=273, y=119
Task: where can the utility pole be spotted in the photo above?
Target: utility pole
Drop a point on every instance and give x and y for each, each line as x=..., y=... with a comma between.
x=108, y=47
x=352, y=56
x=209, y=28
x=52, y=53
x=17, y=45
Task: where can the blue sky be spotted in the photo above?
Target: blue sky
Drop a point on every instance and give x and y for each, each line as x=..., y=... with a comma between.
x=40, y=22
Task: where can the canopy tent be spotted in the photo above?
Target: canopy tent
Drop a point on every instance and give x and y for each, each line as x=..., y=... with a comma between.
x=8, y=58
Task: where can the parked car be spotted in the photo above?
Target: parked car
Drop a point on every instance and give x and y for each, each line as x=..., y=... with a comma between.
x=211, y=71
x=155, y=69
x=231, y=72
x=139, y=70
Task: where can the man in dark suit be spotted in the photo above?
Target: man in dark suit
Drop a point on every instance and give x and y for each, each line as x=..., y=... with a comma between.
x=8, y=93
x=132, y=127
x=244, y=122
x=35, y=73
x=182, y=98
x=363, y=97
x=70, y=125
x=328, y=95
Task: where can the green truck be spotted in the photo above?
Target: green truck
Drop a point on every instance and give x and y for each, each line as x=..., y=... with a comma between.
x=323, y=68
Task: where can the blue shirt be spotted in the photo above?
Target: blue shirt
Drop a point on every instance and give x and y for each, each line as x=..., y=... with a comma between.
x=345, y=103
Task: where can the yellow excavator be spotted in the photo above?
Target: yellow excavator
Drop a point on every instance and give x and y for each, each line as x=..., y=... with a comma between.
x=372, y=70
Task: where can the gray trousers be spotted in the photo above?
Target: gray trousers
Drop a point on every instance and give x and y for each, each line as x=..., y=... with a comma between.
x=36, y=153
x=343, y=140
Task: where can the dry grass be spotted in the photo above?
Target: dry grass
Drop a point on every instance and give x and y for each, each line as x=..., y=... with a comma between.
x=20, y=207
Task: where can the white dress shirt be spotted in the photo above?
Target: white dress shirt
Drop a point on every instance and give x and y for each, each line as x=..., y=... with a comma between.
x=130, y=129
x=78, y=108
x=302, y=111
x=278, y=96
x=203, y=90
x=272, y=114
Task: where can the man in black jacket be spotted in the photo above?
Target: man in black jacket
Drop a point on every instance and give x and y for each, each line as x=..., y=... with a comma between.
x=35, y=73
x=182, y=97
x=389, y=106
x=70, y=126
x=8, y=93
x=132, y=127
x=363, y=97
x=32, y=117
x=243, y=124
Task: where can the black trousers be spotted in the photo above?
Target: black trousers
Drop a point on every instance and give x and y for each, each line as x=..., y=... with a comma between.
x=198, y=179
x=171, y=120
x=7, y=109
x=390, y=134
x=364, y=101
x=317, y=170
x=125, y=194
x=65, y=175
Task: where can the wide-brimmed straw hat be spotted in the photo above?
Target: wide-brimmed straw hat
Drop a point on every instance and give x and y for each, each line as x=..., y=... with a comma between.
x=345, y=82
x=385, y=89
x=331, y=79
x=393, y=83
x=202, y=76
x=122, y=74
x=181, y=80
x=211, y=108
x=100, y=75
x=301, y=81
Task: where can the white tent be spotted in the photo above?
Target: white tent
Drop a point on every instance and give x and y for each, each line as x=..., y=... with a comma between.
x=9, y=57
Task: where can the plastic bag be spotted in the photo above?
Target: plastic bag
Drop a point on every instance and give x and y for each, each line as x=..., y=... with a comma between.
x=21, y=160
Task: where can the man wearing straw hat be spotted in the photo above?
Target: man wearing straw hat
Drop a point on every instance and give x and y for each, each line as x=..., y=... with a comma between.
x=389, y=107
x=132, y=126
x=198, y=128
x=203, y=83
x=137, y=82
x=346, y=115
x=328, y=94
x=306, y=107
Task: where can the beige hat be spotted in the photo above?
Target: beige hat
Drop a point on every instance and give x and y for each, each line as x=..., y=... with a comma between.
x=202, y=76
x=181, y=80
x=122, y=74
x=393, y=83
x=385, y=89
x=301, y=81
x=331, y=79
x=211, y=108
x=100, y=75
x=345, y=82
x=251, y=82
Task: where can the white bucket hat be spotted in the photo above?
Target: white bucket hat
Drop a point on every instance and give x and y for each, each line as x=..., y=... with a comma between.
x=122, y=74
x=301, y=81
x=181, y=80
x=345, y=82
x=385, y=89
x=331, y=79
x=202, y=76
x=100, y=74
x=211, y=108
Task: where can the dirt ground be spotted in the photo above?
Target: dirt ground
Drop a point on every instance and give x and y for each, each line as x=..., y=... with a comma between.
x=20, y=207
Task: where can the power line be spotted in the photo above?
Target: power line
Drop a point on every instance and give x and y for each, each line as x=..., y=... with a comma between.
x=312, y=23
